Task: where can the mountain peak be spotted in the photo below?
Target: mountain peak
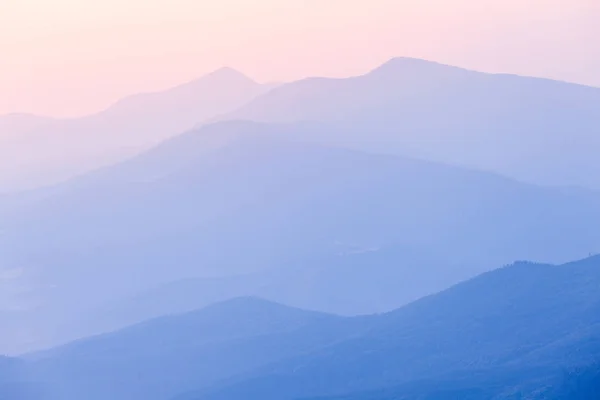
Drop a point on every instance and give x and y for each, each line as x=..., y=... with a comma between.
x=409, y=64
x=227, y=73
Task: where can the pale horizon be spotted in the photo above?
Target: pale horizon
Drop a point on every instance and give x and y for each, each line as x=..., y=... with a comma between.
x=67, y=58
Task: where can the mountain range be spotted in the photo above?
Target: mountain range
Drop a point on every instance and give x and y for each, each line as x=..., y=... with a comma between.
x=522, y=331
x=243, y=198
x=527, y=319
x=534, y=130
x=37, y=151
x=321, y=239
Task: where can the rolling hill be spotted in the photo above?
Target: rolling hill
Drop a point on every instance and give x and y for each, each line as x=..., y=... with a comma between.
x=159, y=357
x=523, y=331
x=506, y=333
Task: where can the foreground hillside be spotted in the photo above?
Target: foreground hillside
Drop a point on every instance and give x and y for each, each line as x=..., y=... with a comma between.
x=523, y=330
x=161, y=357
x=516, y=330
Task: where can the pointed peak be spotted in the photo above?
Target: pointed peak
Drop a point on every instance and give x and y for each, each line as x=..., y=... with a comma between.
x=227, y=73
x=226, y=70
x=408, y=61
x=407, y=64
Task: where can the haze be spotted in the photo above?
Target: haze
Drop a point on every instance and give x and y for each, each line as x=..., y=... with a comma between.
x=299, y=199
x=74, y=57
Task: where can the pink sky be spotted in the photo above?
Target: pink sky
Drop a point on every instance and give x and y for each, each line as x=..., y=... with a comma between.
x=73, y=57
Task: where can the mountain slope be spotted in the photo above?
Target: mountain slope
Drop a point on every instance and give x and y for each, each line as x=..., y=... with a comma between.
x=520, y=326
x=12, y=125
x=582, y=383
x=15, y=383
x=236, y=198
x=34, y=153
x=158, y=358
x=535, y=130
x=504, y=334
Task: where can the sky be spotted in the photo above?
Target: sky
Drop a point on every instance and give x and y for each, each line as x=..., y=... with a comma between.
x=67, y=58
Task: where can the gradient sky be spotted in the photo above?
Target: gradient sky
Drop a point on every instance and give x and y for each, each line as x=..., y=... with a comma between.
x=72, y=57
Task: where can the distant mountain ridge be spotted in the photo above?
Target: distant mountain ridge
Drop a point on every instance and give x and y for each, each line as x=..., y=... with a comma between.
x=36, y=151
x=531, y=129
x=494, y=122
